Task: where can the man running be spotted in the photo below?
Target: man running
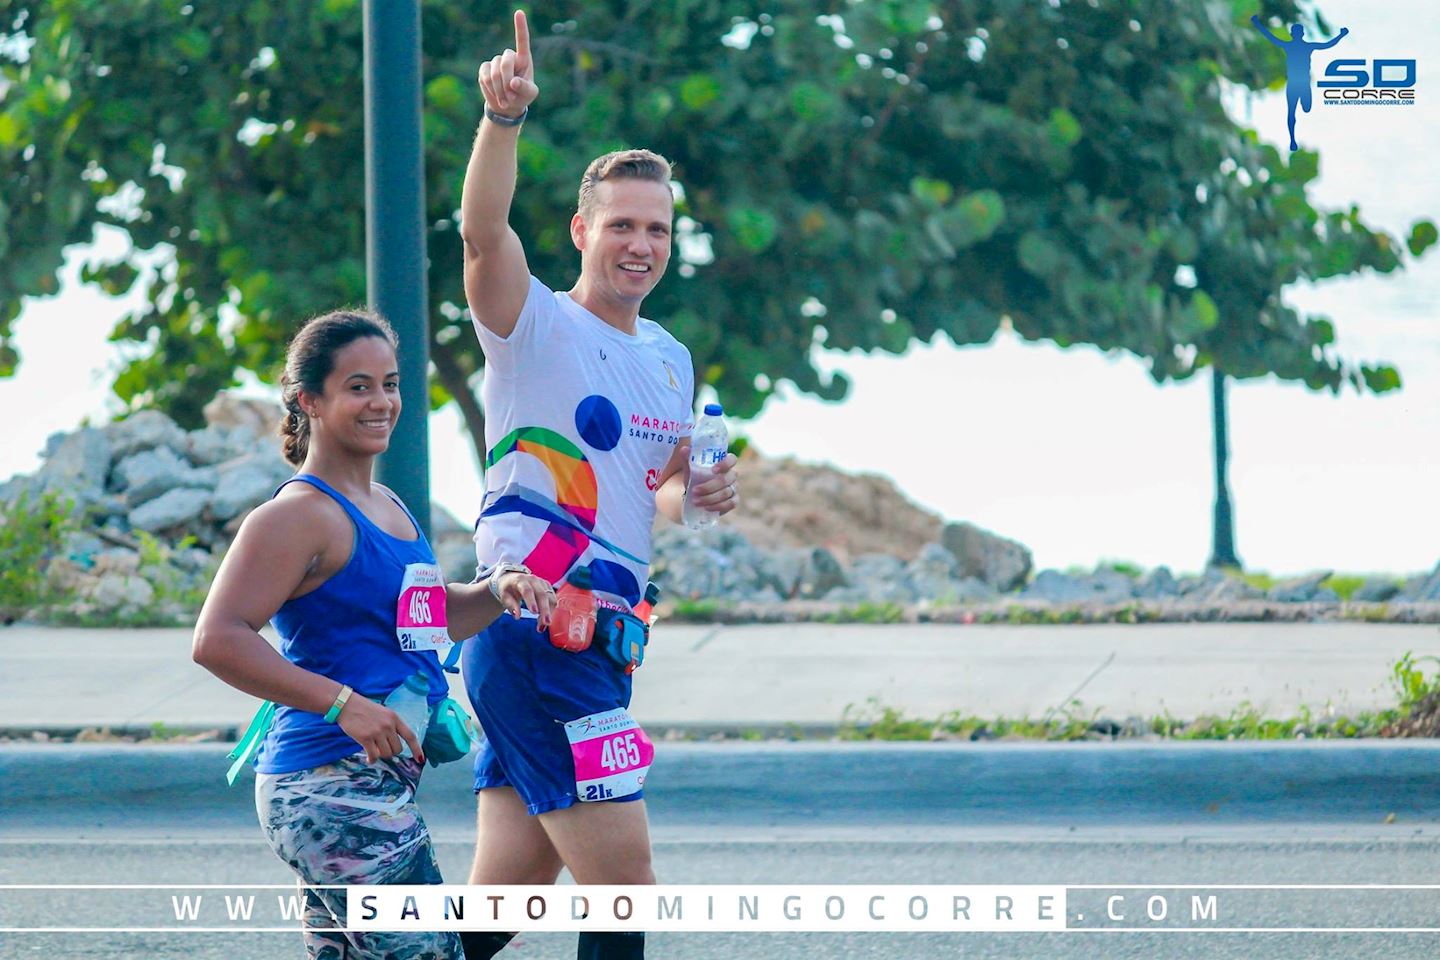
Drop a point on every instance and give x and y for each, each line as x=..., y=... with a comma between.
x=1297, y=66
x=588, y=412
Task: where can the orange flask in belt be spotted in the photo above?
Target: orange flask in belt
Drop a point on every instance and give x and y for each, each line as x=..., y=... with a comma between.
x=572, y=625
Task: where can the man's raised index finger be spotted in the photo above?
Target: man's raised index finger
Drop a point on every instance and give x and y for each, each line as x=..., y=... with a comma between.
x=522, y=35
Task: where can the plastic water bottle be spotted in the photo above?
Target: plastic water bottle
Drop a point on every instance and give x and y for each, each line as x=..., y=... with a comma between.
x=708, y=446
x=412, y=701
x=572, y=625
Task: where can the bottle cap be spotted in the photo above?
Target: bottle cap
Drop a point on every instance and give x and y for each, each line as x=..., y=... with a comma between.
x=714, y=410
x=579, y=577
x=652, y=593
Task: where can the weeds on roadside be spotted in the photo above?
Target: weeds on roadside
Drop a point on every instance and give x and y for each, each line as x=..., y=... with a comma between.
x=32, y=532
x=867, y=612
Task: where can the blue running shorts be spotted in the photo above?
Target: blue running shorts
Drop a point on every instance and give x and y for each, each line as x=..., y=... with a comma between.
x=524, y=690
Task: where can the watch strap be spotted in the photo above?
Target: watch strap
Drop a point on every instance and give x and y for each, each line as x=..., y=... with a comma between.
x=499, y=119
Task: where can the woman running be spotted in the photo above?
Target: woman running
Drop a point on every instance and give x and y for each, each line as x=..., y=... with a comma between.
x=340, y=566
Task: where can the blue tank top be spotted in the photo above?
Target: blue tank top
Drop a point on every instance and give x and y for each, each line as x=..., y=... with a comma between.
x=345, y=630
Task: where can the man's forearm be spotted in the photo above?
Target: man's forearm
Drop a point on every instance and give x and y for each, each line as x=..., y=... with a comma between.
x=670, y=498
x=489, y=186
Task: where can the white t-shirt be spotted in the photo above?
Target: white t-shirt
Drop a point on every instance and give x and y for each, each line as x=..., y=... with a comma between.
x=580, y=418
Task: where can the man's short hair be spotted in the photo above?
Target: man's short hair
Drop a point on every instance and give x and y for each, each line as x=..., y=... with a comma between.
x=621, y=165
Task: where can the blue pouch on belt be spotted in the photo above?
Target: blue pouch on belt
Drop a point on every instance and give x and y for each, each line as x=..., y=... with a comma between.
x=623, y=637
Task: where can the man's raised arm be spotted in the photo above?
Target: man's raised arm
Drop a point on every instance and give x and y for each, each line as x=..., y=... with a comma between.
x=1344, y=32
x=497, y=277
x=1266, y=33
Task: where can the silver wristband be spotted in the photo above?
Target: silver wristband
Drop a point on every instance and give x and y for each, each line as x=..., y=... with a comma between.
x=498, y=571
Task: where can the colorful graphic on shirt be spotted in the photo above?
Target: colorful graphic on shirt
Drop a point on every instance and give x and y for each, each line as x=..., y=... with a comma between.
x=571, y=514
x=598, y=422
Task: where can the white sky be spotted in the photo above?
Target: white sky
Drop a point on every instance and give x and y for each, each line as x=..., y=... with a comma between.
x=1074, y=453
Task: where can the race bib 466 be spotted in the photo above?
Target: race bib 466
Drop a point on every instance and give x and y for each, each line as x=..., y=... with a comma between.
x=420, y=622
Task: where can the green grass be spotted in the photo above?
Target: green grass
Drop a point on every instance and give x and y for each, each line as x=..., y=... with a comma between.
x=867, y=612
x=696, y=610
x=1258, y=579
x=1413, y=687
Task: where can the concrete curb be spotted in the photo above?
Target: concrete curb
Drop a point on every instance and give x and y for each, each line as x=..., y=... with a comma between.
x=180, y=790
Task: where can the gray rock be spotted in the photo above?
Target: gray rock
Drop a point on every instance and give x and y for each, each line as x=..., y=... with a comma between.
x=1424, y=589
x=215, y=445
x=82, y=548
x=1158, y=584
x=117, y=560
x=171, y=509
x=931, y=576
x=27, y=485
x=146, y=475
x=935, y=559
x=117, y=591
x=243, y=484
x=1103, y=586
x=1135, y=726
x=718, y=564
x=1216, y=587
x=1004, y=564
x=823, y=574
x=1304, y=589
x=788, y=566
x=77, y=462
x=259, y=420
x=930, y=587
x=766, y=596
x=877, y=566
x=1376, y=590
x=873, y=592
x=145, y=430
x=971, y=590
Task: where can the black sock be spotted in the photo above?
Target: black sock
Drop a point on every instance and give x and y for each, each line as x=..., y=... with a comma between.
x=483, y=946
x=610, y=946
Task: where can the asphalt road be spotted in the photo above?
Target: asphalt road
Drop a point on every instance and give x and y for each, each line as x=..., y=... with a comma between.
x=892, y=853
x=1078, y=815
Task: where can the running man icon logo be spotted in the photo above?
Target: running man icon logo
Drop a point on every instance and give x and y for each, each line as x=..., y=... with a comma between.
x=1297, y=67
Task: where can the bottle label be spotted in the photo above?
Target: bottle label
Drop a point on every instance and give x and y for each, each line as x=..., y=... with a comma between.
x=612, y=755
x=707, y=456
x=420, y=622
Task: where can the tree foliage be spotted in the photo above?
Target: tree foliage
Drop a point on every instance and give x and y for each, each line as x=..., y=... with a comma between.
x=881, y=173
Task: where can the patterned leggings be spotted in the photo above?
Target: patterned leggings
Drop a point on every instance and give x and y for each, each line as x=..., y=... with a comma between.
x=352, y=822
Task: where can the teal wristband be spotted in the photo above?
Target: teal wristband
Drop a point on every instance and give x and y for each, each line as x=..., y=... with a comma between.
x=333, y=714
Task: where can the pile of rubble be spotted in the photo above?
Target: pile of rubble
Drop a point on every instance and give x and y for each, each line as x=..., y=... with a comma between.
x=161, y=504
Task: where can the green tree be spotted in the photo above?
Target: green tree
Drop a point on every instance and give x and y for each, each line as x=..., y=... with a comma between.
x=881, y=173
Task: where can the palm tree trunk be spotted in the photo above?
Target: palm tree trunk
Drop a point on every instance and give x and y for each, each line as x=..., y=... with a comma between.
x=1222, y=553
x=456, y=383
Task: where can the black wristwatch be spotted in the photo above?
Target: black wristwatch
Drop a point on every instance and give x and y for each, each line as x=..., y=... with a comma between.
x=499, y=119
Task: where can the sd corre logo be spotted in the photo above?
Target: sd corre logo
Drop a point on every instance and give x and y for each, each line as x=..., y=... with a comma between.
x=1347, y=82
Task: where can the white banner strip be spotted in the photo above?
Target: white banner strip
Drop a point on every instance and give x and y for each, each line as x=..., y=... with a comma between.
x=754, y=908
